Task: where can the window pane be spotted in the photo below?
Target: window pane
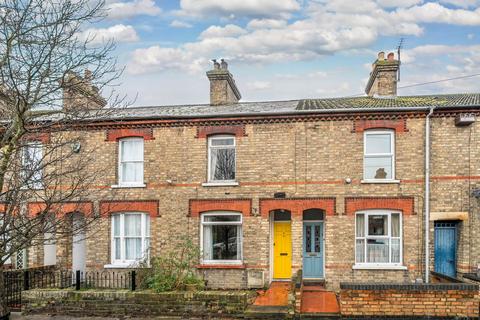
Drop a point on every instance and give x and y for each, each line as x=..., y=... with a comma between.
x=132, y=172
x=32, y=165
x=132, y=150
x=395, y=225
x=395, y=250
x=133, y=247
x=377, y=225
x=222, y=142
x=377, y=250
x=377, y=143
x=360, y=251
x=225, y=242
x=220, y=218
x=116, y=225
x=117, y=249
x=360, y=225
x=378, y=167
x=222, y=164
x=133, y=225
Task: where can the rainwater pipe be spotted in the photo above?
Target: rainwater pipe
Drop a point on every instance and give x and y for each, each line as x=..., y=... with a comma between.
x=427, y=195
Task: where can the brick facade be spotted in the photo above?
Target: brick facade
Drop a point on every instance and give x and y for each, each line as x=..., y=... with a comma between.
x=309, y=160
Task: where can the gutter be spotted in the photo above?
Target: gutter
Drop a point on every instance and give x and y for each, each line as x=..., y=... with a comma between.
x=427, y=195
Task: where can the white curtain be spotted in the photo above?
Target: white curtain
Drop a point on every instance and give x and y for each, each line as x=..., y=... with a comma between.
x=133, y=236
x=132, y=160
x=395, y=238
x=49, y=249
x=213, y=163
x=360, y=225
x=207, y=243
x=378, y=251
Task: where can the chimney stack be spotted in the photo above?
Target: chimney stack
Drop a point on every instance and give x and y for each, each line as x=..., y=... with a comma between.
x=79, y=94
x=223, y=89
x=383, y=78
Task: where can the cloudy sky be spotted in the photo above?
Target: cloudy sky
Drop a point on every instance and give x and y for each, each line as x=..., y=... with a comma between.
x=289, y=49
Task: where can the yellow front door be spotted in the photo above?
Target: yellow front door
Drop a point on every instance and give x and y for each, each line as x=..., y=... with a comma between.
x=282, y=250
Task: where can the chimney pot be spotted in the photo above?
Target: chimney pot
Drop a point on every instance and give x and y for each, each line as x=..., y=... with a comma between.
x=391, y=56
x=224, y=64
x=381, y=55
x=223, y=89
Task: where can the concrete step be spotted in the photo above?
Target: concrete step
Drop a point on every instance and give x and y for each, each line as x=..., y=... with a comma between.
x=313, y=282
x=322, y=316
x=267, y=312
x=313, y=288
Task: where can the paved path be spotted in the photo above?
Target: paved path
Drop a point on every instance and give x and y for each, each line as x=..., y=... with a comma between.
x=18, y=316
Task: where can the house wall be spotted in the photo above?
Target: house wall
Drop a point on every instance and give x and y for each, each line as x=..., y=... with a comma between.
x=304, y=159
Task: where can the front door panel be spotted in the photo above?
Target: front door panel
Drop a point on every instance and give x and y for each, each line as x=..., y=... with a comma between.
x=313, y=250
x=282, y=250
x=445, y=248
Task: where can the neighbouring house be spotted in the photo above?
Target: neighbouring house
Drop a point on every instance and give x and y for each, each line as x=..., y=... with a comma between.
x=334, y=187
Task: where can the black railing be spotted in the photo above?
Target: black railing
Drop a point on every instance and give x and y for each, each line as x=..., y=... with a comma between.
x=17, y=281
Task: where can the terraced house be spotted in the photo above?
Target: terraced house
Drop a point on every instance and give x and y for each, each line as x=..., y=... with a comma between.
x=338, y=188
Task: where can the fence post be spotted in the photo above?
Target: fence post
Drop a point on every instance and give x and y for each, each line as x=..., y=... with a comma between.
x=134, y=282
x=26, y=280
x=77, y=280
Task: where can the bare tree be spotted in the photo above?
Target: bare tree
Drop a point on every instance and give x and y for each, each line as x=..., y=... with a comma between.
x=51, y=77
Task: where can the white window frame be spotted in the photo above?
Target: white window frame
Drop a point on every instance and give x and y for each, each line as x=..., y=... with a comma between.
x=204, y=223
x=375, y=265
x=210, y=147
x=378, y=155
x=120, y=167
x=28, y=183
x=122, y=262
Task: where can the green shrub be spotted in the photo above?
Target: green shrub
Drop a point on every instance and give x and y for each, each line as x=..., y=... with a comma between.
x=174, y=269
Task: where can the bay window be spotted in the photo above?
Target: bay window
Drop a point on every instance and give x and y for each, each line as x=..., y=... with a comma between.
x=221, y=159
x=221, y=237
x=378, y=239
x=379, y=155
x=130, y=238
x=130, y=169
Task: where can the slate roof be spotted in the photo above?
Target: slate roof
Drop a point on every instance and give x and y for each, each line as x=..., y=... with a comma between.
x=350, y=104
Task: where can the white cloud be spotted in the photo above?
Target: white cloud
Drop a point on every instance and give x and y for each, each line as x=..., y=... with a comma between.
x=235, y=8
x=230, y=30
x=128, y=9
x=398, y=3
x=118, y=33
x=266, y=24
x=435, y=13
x=180, y=24
x=462, y=3
x=260, y=85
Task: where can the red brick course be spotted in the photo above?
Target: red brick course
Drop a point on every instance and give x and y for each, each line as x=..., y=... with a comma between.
x=404, y=204
x=43, y=137
x=61, y=209
x=297, y=206
x=146, y=206
x=205, y=131
x=196, y=207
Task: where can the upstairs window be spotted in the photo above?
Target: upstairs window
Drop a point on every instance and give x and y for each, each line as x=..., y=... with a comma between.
x=130, y=238
x=378, y=238
x=32, y=172
x=379, y=155
x=130, y=170
x=221, y=159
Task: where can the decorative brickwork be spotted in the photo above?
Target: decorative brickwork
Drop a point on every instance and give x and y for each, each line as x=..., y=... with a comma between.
x=410, y=300
x=204, y=205
x=406, y=205
x=61, y=209
x=146, y=206
x=43, y=137
x=297, y=205
x=399, y=125
x=205, y=131
x=116, y=134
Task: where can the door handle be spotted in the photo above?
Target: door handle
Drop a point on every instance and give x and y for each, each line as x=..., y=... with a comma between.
x=284, y=254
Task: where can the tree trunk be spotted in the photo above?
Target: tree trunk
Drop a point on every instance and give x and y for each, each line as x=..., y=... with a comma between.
x=4, y=310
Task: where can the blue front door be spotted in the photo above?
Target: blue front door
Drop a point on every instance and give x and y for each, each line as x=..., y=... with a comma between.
x=313, y=250
x=445, y=248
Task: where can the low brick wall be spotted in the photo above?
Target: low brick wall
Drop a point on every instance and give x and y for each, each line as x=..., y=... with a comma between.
x=455, y=300
x=93, y=303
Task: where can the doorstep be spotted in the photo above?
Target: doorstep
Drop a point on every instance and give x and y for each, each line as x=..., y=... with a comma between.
x=317, y=302
x=272, y=303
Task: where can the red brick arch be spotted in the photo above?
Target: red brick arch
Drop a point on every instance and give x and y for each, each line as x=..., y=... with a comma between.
x=197, y=206
x=61, y=209
x=399, y=125
x=297, y=205
x=116, y=134
x=148, y=206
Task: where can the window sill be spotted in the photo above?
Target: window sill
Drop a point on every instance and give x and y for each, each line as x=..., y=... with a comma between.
x=220, y=184
x=120, y=266
x=122, y=186
x=380, y=181
x=378, y=267
x=221, y=266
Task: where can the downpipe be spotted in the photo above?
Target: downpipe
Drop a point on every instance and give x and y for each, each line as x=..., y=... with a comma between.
x=427, y=195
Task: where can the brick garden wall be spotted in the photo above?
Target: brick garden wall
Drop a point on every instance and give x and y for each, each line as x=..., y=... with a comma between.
x=135, y=304
x=414, y=300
